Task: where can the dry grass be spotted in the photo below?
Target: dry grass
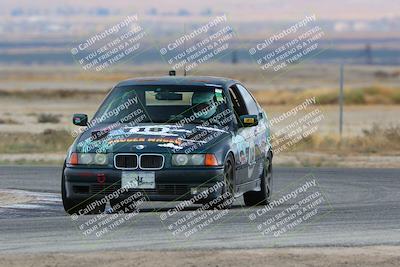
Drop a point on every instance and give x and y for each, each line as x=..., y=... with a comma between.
x=374, y=95
x=53, y=93
x=8, y=121
x=47, y=141
x=66, y=90
x=353, y=96
x=376, y=140
x=48, y=118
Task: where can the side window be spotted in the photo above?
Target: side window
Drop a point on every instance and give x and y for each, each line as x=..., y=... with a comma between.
x=237, y=102
x=249, y=100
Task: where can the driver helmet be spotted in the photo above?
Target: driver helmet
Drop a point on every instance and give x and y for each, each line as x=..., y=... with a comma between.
x=203, y=104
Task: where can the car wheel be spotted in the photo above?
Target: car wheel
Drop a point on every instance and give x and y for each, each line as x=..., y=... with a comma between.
x=73, y=206
x=262, y=197
x=227, y=193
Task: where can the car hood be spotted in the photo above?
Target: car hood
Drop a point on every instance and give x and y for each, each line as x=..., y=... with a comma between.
x=161, y=138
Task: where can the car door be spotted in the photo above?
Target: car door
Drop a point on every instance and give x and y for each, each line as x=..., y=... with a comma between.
x=254, y=135
x=245, y=137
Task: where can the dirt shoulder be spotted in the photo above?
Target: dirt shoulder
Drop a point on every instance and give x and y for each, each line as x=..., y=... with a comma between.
x=339, y=256
x=11, y=197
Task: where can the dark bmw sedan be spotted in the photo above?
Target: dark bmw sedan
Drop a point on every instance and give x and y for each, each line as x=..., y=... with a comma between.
x=169, y=139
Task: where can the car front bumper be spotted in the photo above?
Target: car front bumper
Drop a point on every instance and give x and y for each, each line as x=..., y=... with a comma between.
x=171, y=184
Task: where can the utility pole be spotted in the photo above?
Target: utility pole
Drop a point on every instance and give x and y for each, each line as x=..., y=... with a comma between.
x=184, y=48
x=341, y=99
x=368, y=54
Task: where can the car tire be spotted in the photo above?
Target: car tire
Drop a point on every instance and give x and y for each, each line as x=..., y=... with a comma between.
x=262, y=197
x=228, y=187
x=73, y=206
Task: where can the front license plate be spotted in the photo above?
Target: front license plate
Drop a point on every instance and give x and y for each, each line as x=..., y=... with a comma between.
x=138, y=180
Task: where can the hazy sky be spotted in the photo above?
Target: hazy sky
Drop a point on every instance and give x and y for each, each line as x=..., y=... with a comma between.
x=240, y=10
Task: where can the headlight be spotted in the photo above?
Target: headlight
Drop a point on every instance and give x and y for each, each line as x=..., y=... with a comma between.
x=194, y=160
x=100, y=159
x=88, y=159
x=180, y=159
x=197, y=159
x=84, y=158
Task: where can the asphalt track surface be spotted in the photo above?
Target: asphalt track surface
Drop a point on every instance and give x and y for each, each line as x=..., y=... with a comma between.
x=360, y=207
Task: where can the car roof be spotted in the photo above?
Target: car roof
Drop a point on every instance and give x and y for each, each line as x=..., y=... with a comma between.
x=181, y=80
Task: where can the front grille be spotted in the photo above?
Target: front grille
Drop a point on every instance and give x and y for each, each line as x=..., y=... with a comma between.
x=126, y=161
x=151, y=161
x=78, y=189
x=172, y=189
x=105, y=188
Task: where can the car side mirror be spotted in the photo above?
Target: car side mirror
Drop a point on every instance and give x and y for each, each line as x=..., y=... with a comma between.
x=80, y=119
x=248, y=120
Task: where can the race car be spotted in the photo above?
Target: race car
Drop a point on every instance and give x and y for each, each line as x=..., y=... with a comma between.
x=170, y=138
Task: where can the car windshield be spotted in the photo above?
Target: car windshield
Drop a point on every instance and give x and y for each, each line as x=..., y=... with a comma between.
x=162, y=104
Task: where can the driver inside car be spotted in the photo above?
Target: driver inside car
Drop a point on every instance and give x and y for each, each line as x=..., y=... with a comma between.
x=204, y=105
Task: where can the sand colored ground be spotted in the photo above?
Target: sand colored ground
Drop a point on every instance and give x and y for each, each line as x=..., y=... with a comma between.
x=362, y=256
x=10, y=197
